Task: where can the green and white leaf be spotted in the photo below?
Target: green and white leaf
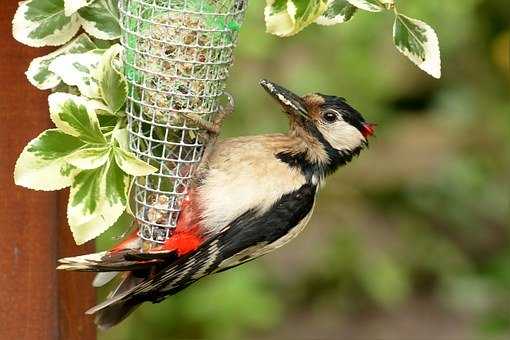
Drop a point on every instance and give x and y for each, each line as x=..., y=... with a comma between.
x=121, y=136
x=72, y=115
x=337, y=12
x=112, y=83
x=76, y=69
x=286, y=17
x=38, y=72
x=43, y=165
x=101, y=19
x=97, y=199
x=132, y=165
x=368, y=5
x=418, y=41
x=98, y=106
x=43, y=23
x=90, y=157
x=72, y=6
x=388, y=3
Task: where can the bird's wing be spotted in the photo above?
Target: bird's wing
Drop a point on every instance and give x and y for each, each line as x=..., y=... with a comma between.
x=249, y=236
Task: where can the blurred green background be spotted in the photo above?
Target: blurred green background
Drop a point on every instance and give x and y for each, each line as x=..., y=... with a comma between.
x=410, y=240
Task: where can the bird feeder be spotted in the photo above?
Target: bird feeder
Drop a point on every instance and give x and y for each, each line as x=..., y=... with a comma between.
x=177, y=55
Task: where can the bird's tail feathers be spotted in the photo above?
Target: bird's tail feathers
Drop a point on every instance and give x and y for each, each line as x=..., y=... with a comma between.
x=119, y=303
x=113, y=314
x=106, y=262
x=102, y=278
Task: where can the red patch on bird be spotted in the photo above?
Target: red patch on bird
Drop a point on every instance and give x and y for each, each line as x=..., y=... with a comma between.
x=368, y=129
x=187, y=235
x=183, y=242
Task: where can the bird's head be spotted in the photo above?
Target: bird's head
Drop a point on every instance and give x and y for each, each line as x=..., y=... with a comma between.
x=333, y=129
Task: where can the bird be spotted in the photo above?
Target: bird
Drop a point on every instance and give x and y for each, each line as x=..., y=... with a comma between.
x=250, y=195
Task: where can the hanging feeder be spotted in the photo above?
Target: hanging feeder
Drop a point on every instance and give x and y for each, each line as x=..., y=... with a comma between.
x=177, y=55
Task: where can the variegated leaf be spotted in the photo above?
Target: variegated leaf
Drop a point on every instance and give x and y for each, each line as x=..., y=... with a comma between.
x=43, y=23
x=112, y=83
x=38, y=72
x=121, y=136
x=90, y=157
x=132, y=165
x=338, y=11
x=77, y=69
x=43, y=163
x=288, y=17
x=72, y=115
x=72, y=6
x=97, y=199
x=368, y=5
x=418, y=41
x=98, y=106
x=101, y=19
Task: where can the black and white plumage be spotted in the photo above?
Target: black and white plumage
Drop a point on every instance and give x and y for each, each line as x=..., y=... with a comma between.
x=251, y=195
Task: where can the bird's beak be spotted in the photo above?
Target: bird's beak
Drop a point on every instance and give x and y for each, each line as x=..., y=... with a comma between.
x=291, y=102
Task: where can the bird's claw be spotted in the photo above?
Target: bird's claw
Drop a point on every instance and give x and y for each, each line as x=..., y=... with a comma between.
x=213, y=127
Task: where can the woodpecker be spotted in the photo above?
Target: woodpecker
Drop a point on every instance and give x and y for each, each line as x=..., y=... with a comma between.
x=250, y=196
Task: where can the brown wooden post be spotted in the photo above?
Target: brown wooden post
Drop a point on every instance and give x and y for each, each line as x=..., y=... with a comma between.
x=36, y=302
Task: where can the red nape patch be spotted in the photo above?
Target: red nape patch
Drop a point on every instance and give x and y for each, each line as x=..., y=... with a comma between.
x=183, y=242
x=368, y=129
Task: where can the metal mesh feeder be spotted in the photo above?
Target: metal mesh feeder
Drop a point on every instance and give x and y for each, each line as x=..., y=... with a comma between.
x=177, y=55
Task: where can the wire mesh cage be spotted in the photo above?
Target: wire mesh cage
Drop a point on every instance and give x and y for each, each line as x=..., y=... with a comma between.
x=176, y=55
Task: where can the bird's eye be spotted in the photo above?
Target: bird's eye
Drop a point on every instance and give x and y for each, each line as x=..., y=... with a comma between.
x=330, y=116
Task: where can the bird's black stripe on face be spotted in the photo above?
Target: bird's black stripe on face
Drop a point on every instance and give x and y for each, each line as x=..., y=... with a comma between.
x=349, y=114
x=249, y=229
x=336, y=157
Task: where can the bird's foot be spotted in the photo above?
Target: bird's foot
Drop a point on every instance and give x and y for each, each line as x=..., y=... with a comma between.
x=213, y=127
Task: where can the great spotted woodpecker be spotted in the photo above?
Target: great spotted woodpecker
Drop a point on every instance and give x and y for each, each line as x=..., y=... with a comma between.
x=250, y=196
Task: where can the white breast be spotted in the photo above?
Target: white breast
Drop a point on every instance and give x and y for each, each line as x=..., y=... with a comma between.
x=243, y=174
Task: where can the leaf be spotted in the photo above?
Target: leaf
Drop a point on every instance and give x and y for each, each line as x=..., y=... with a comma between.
x=99, y=107
x=124, y=222
x=286, y=17
x=90, y=157
x=338, y=11
x=71, y=115
x=97, y=199
x=76, y=69
x=132, y=165
x=101, y=19
x=43, y=23
x=72, y=6
x=112, y=84
x=42, y=164
x=418, y=41
x=368, y=5
x=389, y=4
x=38, y=72
x=121, y=136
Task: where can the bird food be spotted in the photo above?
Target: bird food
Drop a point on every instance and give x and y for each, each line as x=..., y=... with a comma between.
x=177, y=54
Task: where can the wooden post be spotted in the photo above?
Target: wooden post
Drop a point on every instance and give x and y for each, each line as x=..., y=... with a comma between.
x=36, y=302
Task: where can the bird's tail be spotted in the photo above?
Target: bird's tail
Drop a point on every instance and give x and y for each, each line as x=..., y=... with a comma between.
x=108, y=261
x=146, y=285
x=119, y=303
x=113, y=314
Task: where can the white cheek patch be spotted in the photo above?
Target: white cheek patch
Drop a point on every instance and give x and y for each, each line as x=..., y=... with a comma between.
x=342, y=135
